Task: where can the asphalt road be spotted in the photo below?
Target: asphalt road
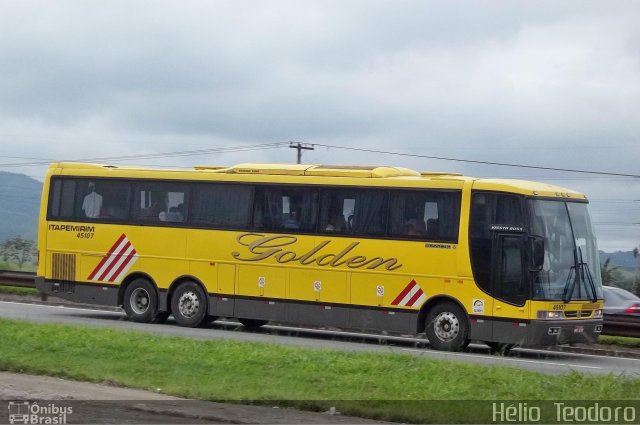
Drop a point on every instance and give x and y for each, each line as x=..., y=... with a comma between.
x=89, y=403
x=536, y=360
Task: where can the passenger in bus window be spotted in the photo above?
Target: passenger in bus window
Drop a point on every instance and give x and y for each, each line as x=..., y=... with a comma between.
x=173, y=215
x=433, y=228
x=293, y=221
x=180, y=212
x=158, y=211
x=92, y=203
x=414, y=227
x=338, y=224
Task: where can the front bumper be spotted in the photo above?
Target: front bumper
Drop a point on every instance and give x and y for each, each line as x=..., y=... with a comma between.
x=555, y=332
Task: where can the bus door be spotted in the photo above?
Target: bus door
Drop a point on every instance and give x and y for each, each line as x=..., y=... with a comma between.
x=509, y=283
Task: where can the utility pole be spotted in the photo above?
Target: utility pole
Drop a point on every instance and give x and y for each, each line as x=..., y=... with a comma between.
x=300, y=148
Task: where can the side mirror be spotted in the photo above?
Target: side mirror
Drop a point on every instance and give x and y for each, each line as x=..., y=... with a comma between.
x=537, y=252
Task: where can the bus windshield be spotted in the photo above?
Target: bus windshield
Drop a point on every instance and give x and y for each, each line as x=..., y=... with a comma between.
x=571, y=269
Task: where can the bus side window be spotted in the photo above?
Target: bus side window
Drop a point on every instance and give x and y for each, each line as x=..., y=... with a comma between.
x=358, y=212
x=62, y=200
x=226, y=206
x=425, y=215
x=285, y=209
x=101, y=199
x=482, y=210
x=488, y=209
x=160, y=202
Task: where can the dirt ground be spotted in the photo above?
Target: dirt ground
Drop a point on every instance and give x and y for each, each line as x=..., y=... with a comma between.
x=99, y=403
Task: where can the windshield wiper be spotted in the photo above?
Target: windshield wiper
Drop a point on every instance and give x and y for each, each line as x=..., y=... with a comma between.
x=569, y=285
x=584, y=267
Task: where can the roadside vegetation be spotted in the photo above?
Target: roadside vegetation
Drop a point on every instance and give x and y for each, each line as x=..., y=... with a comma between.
x=15, y=290
x=18, y=253
x=619, y=340
x=623, y=277
x=374, y=385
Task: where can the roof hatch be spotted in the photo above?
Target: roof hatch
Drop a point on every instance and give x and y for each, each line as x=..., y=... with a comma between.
x=322, y=170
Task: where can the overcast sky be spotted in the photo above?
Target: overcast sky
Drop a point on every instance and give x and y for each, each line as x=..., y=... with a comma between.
x=555, y=84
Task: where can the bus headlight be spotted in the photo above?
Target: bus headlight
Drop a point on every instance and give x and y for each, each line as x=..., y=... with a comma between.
x=550, y=315
x=597, y=314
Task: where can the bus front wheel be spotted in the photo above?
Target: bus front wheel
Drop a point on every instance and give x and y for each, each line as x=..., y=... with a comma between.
x=447, y=327
x=189, y=305
x=140, y=301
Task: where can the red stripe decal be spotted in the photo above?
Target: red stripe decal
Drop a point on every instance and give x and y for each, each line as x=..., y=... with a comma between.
x=122, y=266
x=114, y=260
x=404, y=292
x=104, y=260
x=415, y=298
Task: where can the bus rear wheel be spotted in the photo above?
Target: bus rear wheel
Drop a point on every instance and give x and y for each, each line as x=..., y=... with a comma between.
x=189, y=305
x=141, y=301
x=253, y=323
x=447, y=327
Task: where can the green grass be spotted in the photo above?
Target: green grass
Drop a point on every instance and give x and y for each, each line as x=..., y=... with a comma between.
x=619, y=340
x=27, y=267
x=280, y=375
x=15, y=290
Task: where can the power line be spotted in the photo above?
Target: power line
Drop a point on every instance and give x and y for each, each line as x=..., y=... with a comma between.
x=276, y=145
x=502, y=164
x=23, y=157
x=228, y=149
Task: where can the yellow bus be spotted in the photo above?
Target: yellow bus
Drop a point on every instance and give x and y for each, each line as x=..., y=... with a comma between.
x=390, y=249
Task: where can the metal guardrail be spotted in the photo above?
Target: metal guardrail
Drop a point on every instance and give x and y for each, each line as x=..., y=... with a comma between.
x=613, y=325
x=15, y=278
x=617, y=325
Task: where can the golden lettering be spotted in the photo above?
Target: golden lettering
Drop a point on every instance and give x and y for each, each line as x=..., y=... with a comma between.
x=355, y=262
x=263, y=247
x=256, y=246
x=391, y=263
x=285, y=257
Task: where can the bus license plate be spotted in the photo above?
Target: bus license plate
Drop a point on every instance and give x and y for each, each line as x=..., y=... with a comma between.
x=578, y=329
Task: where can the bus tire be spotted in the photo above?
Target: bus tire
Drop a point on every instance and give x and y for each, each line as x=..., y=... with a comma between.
x=189, y=305
x=447, y=327
x=253, y=323
x=141, y=301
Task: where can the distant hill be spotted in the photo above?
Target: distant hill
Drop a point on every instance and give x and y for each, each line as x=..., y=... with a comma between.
x=19, y=205
x=623, y=259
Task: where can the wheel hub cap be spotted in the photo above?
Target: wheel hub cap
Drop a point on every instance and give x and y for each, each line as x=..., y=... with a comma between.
x=189, y=304
x=139, y=301
x=446, y=326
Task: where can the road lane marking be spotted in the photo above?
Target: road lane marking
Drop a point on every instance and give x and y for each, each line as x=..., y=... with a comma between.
x=478, y=356
x=94, y=310
x=571, y=354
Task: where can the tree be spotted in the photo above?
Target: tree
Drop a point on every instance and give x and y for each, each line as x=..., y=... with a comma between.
x=608, y=273
x=635, y=287
x=18, y=250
